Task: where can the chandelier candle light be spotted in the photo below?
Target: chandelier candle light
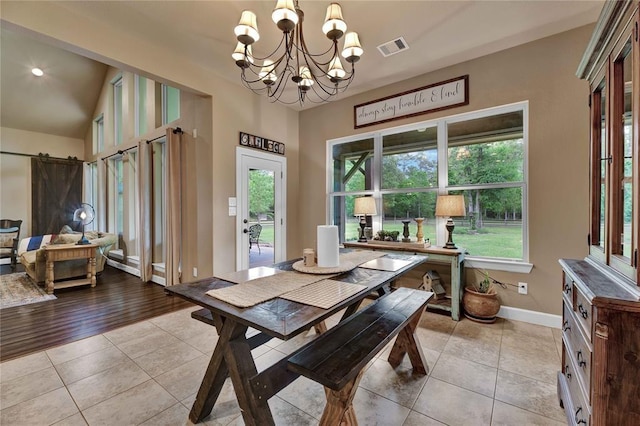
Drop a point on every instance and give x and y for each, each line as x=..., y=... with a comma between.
x=320, y=74
x=448, y=206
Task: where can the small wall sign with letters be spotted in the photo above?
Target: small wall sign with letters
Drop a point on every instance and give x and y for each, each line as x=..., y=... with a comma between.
x=264, y=144
x=435, y=97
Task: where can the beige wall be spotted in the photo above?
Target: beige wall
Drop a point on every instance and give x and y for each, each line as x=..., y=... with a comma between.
x=542, y=72
x=15, y=170
x=232, y=109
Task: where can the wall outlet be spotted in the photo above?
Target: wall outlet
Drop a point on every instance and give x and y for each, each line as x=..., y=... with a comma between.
x=195, y=271
x=523, y=288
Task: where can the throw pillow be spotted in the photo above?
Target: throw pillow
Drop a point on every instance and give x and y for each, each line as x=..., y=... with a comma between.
x=66, y=239
x=67, y=230
x=6, y=238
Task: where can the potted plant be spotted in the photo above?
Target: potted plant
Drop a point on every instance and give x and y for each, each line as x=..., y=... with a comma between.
x=480, y=301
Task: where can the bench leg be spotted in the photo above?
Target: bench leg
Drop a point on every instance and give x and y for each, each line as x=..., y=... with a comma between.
x=339, y=408
x=320, y=327
x=407, y=343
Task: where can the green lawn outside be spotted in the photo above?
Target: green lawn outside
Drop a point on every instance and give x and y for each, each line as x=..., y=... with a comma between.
x=493, y=241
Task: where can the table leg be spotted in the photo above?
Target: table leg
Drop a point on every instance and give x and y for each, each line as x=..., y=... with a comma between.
x=231, y=358
x=255, y=410
x=92, y=270
x=455, y=289
x=49, y=277
x=407, y=343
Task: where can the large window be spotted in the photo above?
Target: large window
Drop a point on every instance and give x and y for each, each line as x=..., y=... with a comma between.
x=98, y=134
x=91, y=191
x=117, y=111
x=117, y=195
x=170, y=104
x=481, y=155
x=141, y=105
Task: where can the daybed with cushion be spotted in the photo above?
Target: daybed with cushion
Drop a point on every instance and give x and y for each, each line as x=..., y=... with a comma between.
x=32, y=256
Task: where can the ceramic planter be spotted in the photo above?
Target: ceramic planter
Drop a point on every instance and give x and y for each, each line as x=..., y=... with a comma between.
x=480, y=307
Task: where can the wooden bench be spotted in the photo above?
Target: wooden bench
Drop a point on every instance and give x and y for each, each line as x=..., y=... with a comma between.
x=337, y=358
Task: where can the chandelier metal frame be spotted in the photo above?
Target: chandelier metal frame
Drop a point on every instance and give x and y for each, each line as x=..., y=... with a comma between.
x=318, y=76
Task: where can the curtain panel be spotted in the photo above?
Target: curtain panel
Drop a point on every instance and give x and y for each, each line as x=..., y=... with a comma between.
x=173, y=221
x=144, y=207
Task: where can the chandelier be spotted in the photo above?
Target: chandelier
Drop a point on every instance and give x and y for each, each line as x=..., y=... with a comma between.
x=317, y=76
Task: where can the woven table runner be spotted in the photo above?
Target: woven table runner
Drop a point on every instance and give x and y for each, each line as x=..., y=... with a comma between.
x=323, y=294
x=256, y=291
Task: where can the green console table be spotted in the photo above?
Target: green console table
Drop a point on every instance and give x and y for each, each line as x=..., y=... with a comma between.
x=452, y=257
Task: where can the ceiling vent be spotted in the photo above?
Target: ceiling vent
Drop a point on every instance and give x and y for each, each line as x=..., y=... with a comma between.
x=392, y=47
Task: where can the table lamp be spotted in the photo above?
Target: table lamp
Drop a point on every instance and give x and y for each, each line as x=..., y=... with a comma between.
x=364, y=206
x=448, y=206
x=85, y=215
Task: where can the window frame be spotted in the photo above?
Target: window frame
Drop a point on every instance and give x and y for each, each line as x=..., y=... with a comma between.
x=117, y=86
x=490, y=263
x=98, y=134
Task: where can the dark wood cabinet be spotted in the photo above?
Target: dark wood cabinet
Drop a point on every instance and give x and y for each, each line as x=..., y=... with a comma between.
x=611, y=64
x=599, y=381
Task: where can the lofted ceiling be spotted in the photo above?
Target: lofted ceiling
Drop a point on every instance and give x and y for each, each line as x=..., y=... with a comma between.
x=439, y=34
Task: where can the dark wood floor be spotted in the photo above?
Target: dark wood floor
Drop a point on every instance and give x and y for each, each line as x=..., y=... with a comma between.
x=118, y=299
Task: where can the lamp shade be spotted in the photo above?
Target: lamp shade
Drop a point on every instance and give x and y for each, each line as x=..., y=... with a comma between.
x=84, y=214
x=352, y=48
x=365, y=206
x=334, y=26
x=247, y=30
x=450, y=205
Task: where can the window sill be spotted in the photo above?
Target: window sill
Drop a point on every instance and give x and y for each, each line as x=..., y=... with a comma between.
x=498, y=265
x=158, y=267
x=116, y=254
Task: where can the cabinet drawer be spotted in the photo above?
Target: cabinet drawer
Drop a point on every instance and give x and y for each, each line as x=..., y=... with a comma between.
x=576, y=347
x=581, y=411
x=584, y=311
x=567, y=288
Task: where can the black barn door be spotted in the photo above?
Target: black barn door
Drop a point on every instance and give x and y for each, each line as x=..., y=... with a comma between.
x=56, y=191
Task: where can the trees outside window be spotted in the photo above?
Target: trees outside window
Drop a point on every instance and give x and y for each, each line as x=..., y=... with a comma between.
x=481, y=155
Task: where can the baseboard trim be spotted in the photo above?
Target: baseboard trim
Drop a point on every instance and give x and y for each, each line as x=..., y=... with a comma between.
x=6, y=261
x=533, y=317
x=128, y=269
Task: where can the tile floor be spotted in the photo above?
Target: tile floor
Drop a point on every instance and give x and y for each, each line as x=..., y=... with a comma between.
x=148, y=374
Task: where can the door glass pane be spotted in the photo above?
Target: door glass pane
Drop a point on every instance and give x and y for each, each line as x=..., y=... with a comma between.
x=410, y=159
x=626, y=208
x=353, y=166
x=261, y=217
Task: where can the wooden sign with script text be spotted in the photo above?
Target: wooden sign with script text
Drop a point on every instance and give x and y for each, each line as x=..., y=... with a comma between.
x=435, y=97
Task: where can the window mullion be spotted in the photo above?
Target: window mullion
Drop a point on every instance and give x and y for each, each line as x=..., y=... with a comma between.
x=443, y=178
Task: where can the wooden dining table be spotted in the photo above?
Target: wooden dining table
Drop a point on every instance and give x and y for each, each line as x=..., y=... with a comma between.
x=275, y=318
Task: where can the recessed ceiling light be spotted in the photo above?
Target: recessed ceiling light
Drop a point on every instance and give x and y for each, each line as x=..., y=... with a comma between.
x=37, y=72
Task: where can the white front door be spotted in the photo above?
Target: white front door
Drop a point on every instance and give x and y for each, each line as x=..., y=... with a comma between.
x=261, y=208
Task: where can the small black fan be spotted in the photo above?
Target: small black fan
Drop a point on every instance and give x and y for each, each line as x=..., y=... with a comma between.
x=85, y=215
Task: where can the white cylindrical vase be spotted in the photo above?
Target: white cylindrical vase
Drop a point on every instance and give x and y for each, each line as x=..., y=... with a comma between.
x=328, y=246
